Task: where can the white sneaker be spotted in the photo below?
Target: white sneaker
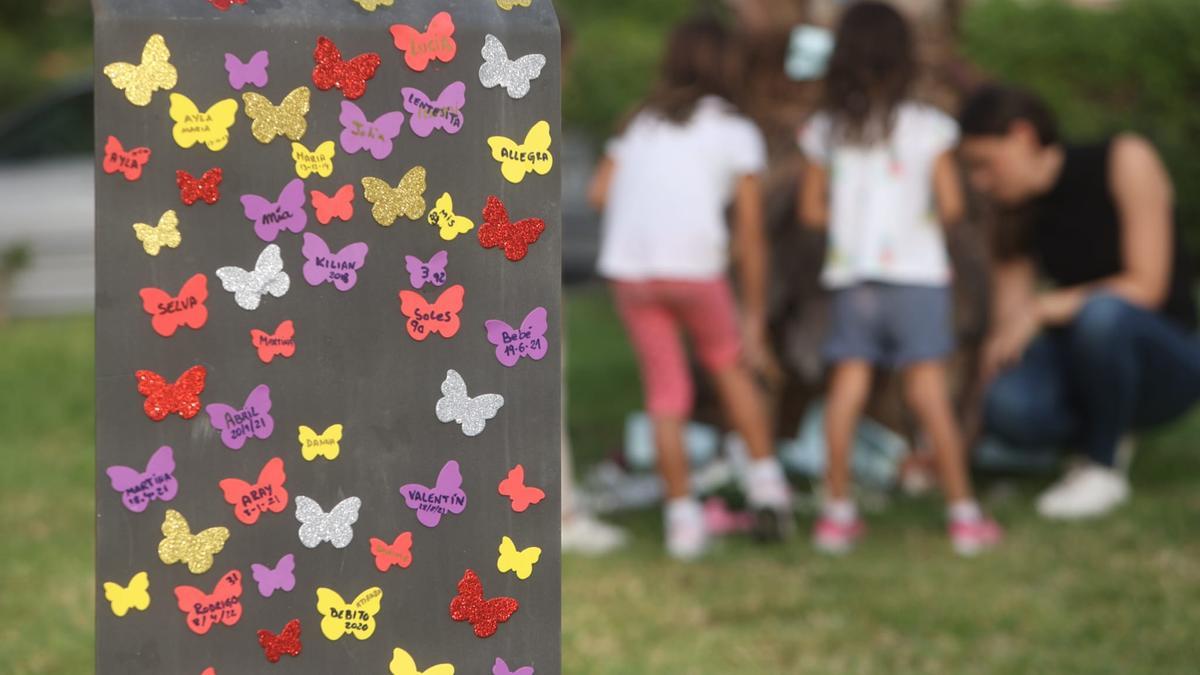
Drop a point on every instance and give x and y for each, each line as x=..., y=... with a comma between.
x=582, y=533
x=687, y=536
x=1086, y=491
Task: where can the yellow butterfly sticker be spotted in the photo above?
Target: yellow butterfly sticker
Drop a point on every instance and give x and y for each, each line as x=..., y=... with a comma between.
x=308, y=162
x=180, y=545
x=356, y=618
x=531, y=156
x=449, y=225
x=372, y=5
x=404, y=664
x=165, y=234
x=141, y=81
x=210, y=127
x=327, y=445
x=507, y=5
x=270, y=120
x=406, y=199
x=512, y=560
x=124, y=598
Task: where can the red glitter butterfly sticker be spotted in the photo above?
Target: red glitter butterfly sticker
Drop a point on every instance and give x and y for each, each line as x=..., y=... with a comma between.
x=287, y=642
x=171, y=312
x=514, y=488
x=224, y=5
x=436, y=43
x=280, y=343
x=485, y=615
x=398, y=553
x=340, y=205
x=128, y=163
x=181, y=397
x=206, y=187
x=498, y=231
x=349, y=76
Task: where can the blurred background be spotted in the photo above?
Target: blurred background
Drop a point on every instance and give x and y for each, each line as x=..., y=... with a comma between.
x=1117, y=596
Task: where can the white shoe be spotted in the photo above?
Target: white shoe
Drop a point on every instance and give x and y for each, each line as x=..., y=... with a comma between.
x=687, y=536
x=1087, y=491
x=584, y=534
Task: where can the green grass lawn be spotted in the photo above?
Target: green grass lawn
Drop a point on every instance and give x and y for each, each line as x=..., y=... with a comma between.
x=1121, y=596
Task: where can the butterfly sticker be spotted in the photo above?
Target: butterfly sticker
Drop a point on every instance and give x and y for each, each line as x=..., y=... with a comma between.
x=266, y=495
x=518, y=562
x=281, y=343
x=324, y=266
x=206, y=187
x=129, y=163
x=372, y=5
x=272, y=218
x=449, y=225
x=435, y=44
x=205, y=610
x=398, y=553
x=485, y=616
x=432, y=272
x=314, y=445
x=521, y=495
x=349, y=76
x=334, y=527
x=403, y=664
x=406, y=199
x=286, y=119
x=471, y=413
x=134, y=595
x=164, y=235
x=179, y=545
x=501, y=666
x=348, y=618
x=282, y=577
x=209, y=128
x=507, y=5
x=440, y=318
x=426, y=116
x=141, y=81
x=224, y=5
x=171, y=312
x=446, y=497
x=163, y=398
x=139, y=488
x=514, y=76
x=252, y=72
x=287, y=642
x=340, y=205
x=514, y=343
x=318, y=161
x=267, y=278
x=498, y=231
x=360, y=133
x=518, y=160
x=252, y=420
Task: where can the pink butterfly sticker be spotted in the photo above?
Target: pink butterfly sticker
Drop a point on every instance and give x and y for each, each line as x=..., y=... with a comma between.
x=282, y=577
x=444, y=498
x=501, y=668
x=426, y=116
x=139, y=488
x=340, y=269
x=252, y=72
x=359, y=133
x=286, y=213
x=252, y=420
x=513, y=343
x=432, y=272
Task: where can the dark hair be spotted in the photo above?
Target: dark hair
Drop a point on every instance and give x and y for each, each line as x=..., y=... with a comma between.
x=870, y=71
x=696, y=64
x=993, y=108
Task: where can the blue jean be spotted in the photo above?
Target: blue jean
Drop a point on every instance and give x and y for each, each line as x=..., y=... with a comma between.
x=1115, y=368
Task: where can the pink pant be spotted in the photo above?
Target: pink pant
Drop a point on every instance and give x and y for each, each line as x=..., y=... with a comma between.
x=653, y=313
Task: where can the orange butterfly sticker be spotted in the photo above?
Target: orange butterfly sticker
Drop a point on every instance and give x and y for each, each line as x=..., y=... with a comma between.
x=435, y=44
x=267, y=495
x=128, y=163
x=397, y=553
x=205, y=610
x=441, y=317
x=170, y=312
x=340, y=205
x=514, y=488
x=280, y=343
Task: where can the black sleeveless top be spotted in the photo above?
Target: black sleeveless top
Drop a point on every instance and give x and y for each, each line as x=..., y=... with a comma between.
x=1075, y=234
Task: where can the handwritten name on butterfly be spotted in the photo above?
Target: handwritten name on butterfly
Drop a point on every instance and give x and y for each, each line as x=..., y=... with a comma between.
x=281, y=577
x=281, y=343
x=242, y=73
x=484, y=615
x=521, y=495
x=403, y=664
x=249, y=286
x=179, y=545
x=267, y=495
x=207, y=187
x=155, y=72
x=499, y=231
x=449, y=224
x=221, y=607
x=314, y=445
x=286, y=119
x=340, y=618
x=436, y=43
x=528, y=341
x=324, y=266
x=139, y=488
x=284, y=214
x=432, y=272
x=128, y=163
x=445, y=497
x=517, y=160
x=445, y=113
x=181, y=397
x=134, y=595
x=406, y=199
x=252, y=420
x=163, y=235
x=318, y=161
x=286, y=643
x=375, y=136
x=209, y=128
x=439, y=318
x=396, y=554
x=171, y=312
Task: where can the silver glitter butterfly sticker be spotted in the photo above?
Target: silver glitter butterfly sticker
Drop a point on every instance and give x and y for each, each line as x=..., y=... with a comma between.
x=472, y=413
x=268, y=277
x=514, y=76
x=334, y=527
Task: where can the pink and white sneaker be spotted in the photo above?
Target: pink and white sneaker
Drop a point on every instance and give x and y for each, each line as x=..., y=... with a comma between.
x=972, y=536
x=837, y=537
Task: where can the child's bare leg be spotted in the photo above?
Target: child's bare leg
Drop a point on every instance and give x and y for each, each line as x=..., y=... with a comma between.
x=745, y=409
x=849, y=386
x=673, y=463
x=928, y=396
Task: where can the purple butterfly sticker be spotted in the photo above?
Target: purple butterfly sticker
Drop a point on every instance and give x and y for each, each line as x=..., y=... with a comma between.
x=340, y=269
x=281, y=578
x=425, y=116
x=432, y=272
x=271, y=218
x=253, y=419
x=252, y=72
x=513, y=343
x=139, y=488
x=501, y=668
x=433, y=503
x=359, y=133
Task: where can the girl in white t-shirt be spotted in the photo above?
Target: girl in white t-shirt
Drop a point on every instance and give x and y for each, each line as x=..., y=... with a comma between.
x=881, y=177
x=665, y=185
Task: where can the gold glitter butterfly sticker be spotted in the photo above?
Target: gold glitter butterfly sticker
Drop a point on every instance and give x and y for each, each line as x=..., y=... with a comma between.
x=210, y=128
x=507, y=5
x=180, y=545
x=532, y=156
x=448, y=223
x=285, y=119
x=318, y=161
x=372, y=5
x=141, y=81
x=165, y=234
x=407, y=199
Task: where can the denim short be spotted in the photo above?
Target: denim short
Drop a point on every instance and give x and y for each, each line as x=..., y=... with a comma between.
x=890, y=325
